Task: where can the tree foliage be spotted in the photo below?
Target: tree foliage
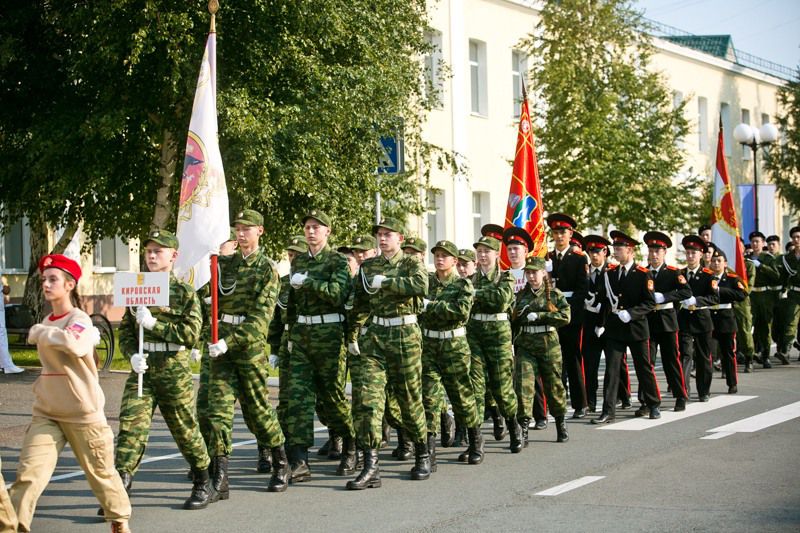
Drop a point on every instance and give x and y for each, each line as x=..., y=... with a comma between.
x=607, y=135
x=783, y=158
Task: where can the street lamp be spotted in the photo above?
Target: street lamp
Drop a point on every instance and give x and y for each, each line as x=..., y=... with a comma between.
x=749, y=136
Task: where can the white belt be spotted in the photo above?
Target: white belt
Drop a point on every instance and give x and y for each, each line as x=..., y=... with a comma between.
x=772, y=288
x=395, y=321
x=794, y=288
x=449, y=334
x=330, y=318
x=667, y=305
x=780, y=288
x=568, y=294
x=362, y=331
x=538, y=329
x=483, y=317
x=716, y=307
x=232, y=319
x=286, y=327
x=162, y=347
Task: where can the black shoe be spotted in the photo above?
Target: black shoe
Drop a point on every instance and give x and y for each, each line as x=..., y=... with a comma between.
x=463, y=457
x=579, y=413
x=796, y=346
x=203, y=491
x=475, y=450
x=127, y=482
x=757, y=359
x=448, y=429
x=592, y=408
x=747, y=369
x=642, y=411
x=347, y=466
x=370, y=476
x=766, y=363
x=561, y=429
x=299, y=465
x=782, y=358
x=655, y=413
x=540, y=424
x=422, y=462
x=264, y=461
x=280, y=470
x=219, y=479
x=604, y=418
x=680, y=404
x=705, y=398
x=405, y=448
x=717, y=366
x=626, y=404
x=498, y=424
x=514, y=435
x=733, y=389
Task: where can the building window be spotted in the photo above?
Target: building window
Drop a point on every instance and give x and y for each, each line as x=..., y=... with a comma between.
x=477, y=76
x=677, y=100
x=702, y=124
x=432, y=84
x=480, y=212
x=15, y=253
x=435, y=219
x=111, y=254
x=746, y=152
x=519, y=74
x=725, y=113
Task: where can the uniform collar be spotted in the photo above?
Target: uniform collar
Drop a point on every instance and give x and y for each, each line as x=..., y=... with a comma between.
x=321, y=254
x=250, y=259
x=395, y=258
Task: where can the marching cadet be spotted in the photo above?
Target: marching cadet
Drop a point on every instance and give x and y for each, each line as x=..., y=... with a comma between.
x=789, y=268
x=704, y=231
x=364, y=247
x=445, y=350
x=764, y=295
x=466, y=263
x=248, y=288
x=731, y=290
x=597, y=251
x=670, y=288
x=774, y=245
x=539, y=311
x=744, y=320
x=694, y=319
x=628, y=300
x=389, y=291
x=319, y=285
x=570, y=275
x=167, y=377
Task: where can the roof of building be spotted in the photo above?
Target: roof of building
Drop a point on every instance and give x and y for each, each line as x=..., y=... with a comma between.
x=717, y=45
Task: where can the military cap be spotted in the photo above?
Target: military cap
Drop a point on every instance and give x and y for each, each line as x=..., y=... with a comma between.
x=465, y=254
x=702, y=228
x=249, y=217
x=319, y=216
x=415, y=243
x=576, y=239
x=447, y=247
x=492, y=230
x=710, y=247
x=297, y=244
x=789, y=247
x=534, y=263
x=392, y=224
x=489, y=242
x=773, y=238
x=560, y=220
x=515, y=235
x=794, y=230
x=693, y=242
x=754, y=234
x=719, y=253
x=657, y=239
x=165, y=238
x=618, y=238
x=363, y=243
x=596, y=243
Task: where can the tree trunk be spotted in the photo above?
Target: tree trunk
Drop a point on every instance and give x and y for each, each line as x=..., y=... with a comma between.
x=169, y=154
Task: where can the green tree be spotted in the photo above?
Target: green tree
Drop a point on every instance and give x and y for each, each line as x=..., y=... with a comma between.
x=607, y=135
x=783, y=158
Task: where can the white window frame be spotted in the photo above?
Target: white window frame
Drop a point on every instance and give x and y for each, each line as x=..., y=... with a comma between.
x=122, y=257
x=26, y=251
x=519, y=71
x=747, y=153
x=433, y=86
x=725, y=113
x=702, y=124
x=479, y=104
x=435, y=219
x=480, y=213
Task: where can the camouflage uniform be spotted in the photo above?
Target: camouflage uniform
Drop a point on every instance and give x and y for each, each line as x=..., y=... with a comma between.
x=763, y=297
x=744, y=320
x=278, y=337
x=167, y=384
x=784, y=331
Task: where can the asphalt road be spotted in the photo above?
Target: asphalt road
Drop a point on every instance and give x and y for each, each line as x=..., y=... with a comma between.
x=732, y=464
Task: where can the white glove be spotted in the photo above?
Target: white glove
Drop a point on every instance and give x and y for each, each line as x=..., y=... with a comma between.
x=756, y=262
x=207, y=300
x=289, y=346
x=548, y=266
x=425, y=303
x=139, y=362
x=273, y=360
x=784, y=295
x=195, y=355
x=659, y=297
x=377, y=281
x=532, y=317
x=353, y=349
x=599, y=330
x=145, y=317
x=297, y=280
x=217, y=349
x=688, y=302
x=624, y=316
x=95, y=335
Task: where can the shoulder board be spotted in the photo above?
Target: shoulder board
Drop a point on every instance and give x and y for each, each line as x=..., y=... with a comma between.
x=612, y=266
x=670, y=267
x=640, y=268
x=731, y=274
x=708, y=271
x=577, y=251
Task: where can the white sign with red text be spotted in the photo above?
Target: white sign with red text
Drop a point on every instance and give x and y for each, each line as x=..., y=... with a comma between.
x=132, y=289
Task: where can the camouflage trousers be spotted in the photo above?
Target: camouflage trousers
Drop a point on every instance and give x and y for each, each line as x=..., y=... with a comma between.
x=744, y=330
x=446, y=366
x=316, y=371
x=390, y=355
x=539, y=354
x=167, y=384
x=243, y=376
x=283, y=383
x=762, y=306
x=784, y=324
x=491, y=343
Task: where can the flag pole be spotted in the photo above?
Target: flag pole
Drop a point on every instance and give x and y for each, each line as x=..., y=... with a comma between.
x=213, y=7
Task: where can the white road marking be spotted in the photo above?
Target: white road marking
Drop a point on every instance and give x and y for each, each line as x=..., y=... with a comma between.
x=757, y=422
x=692, y=409
x=571, y=485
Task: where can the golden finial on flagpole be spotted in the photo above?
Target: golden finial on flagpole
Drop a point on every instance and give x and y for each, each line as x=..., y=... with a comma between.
x=213, y=7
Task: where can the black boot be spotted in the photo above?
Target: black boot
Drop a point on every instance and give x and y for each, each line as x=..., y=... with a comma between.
x=515, y=435
x=370, y=476
x=448, y=429
x=497, y=421
x=561, y=429
x=523, y=424
x=335, y=450
x=203, y=492
x=220, y=478
x=299, y=465
x=475, y=450
x=127, y=482
x=405, y=448
x=432, y=450
x=461, y=436
x=264, y=463
x=347, y=466
x=280, y=470
x=422, y=462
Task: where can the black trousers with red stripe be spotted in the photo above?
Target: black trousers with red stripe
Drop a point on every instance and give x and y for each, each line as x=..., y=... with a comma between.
x=667, y=342
x=569, y=337
x=726, y=343
x=696, y=350
x=592, y=349
x=640, y=352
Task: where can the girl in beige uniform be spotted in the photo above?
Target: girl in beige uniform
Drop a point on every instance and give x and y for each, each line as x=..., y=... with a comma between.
x=68, y=403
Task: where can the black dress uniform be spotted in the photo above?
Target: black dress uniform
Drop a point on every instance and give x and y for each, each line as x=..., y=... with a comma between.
x=629, y=290
x=731, y=290
x=694, y=322
x=670, y=288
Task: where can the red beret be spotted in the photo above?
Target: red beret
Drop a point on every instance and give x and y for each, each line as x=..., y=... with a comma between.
x=61, y=262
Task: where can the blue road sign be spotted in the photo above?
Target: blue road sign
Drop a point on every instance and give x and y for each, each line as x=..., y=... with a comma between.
x=390, y=158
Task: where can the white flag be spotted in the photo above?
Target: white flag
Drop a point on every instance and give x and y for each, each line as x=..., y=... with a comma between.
x=203, y=217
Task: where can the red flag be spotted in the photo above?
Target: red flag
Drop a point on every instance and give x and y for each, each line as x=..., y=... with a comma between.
x=524, y=208
x=724, y=224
